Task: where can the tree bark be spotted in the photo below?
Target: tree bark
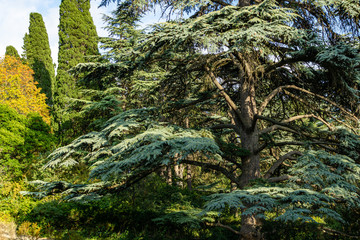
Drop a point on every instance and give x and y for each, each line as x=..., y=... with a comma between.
x=249, y=136
x=250, y=228
x=179, y=172
x=250, y=164
x=168, y=175
x=245, y=119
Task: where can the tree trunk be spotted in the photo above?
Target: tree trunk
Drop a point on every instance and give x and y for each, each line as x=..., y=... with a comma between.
x=250, y=164
x=168, y=175
x=178, y=174
x=250, y=228
x=250, y=224
x=188, y=177
x=188, y=166
x=250, y=169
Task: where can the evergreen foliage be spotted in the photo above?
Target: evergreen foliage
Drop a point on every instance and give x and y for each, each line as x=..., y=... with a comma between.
x=22, y=140
x=103, y=94
x=319, y=181
x=38, y=55
x=269, y=91
x=77, y=41
x=11, y=51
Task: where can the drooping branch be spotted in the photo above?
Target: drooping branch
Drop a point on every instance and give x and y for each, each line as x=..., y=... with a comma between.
x=276, y=165
x=130, y=181
x=281, y=124
x=281, y=88
x=277, y=127
x=338, y=233
x=325, y=99
x=222, y=126
x=228, y=174
x=218, y=224
x=309, y=116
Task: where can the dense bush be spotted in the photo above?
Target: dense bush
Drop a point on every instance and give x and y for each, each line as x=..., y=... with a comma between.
x=22, y=141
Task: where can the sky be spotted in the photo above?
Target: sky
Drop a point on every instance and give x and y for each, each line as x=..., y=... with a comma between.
x=14, y=21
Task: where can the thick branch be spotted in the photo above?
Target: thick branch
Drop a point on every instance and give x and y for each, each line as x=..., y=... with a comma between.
x=229, y=101
x=289, y=155
x=306, y=57
x=279, y=179
x=269, y=98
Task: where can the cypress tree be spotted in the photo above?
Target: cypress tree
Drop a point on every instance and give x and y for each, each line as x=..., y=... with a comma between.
x=11, y=51
x=77, y=40
x=38, y=54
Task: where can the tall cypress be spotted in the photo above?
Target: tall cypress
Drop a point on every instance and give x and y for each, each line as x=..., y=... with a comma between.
x=77, y=40
x=11, y=51
x=38, y=54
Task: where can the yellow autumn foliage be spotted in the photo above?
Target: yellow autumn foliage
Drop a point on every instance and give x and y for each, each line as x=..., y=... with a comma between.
x=18, y=88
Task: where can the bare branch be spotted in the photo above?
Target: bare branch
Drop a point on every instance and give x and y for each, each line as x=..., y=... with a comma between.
x=275, y=122
x=325, y=99
x=309, y=116
x=279, y=89
x=268, y=99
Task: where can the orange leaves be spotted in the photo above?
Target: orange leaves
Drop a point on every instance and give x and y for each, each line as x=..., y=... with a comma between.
x=18, y=88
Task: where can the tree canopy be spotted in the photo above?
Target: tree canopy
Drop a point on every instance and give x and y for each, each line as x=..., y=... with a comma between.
x=19, y=90
x=263, y=92
x=77, y=41
x=38, y=55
